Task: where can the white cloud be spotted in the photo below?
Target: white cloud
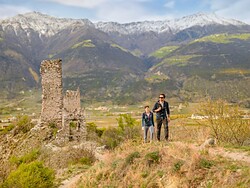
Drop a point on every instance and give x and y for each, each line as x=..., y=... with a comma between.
x=103, y=10
x=9, y=11
x=169, y=4
x=80, y=3
x=231, y=9
x=93, y=4
x=127, y=11
x=124, y=12
x=137, y=10
x=142, y=0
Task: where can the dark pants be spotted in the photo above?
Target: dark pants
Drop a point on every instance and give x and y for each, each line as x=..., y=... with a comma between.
x=159, y=124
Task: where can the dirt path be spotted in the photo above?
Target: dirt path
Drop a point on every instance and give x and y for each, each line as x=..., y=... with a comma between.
x=236, y=156
x=219, y=151
x=16, y=102
x=72, y=182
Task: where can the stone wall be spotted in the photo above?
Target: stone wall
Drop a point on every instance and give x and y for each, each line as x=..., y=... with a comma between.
x=73, y=117
x=52, y=98
x=72, y=102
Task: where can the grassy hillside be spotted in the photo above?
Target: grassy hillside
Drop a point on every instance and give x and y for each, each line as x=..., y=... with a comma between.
x=128, y=162
x=163, y=52
x=165, y=165
x=223, y=38
x=185, y=161
x=214, y=51
x=216, y=66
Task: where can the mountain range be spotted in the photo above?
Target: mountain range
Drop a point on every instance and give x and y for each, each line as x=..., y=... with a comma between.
x=187, y=58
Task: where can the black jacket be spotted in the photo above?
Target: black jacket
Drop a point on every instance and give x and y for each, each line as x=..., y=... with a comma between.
x=147, y=121
x=164, y=111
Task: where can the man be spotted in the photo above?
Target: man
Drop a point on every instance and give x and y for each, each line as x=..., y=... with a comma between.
x=148, y=123
x=161, y=108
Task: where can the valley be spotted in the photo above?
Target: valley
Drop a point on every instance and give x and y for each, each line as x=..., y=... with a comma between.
x=201, y=62
x=189, y=58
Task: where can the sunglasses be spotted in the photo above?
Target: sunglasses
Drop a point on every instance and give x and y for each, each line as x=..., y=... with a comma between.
x=161, y=97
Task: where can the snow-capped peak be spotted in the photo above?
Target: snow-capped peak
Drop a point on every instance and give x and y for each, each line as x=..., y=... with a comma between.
x=134, y=27
x=41, y=23
x=175, y=25
x=202, y=19
x=47, y=25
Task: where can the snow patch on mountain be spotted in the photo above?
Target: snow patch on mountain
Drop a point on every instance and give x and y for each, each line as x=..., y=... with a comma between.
x=48, y=26
x=43, y=24
x=134, y=27
x=174, y=26
x=202, y=19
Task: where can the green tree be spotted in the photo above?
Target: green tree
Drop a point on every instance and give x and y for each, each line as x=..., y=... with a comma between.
x=128, y=128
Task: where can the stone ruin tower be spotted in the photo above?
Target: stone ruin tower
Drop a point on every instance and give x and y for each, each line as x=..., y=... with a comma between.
x=52, y=97
x=73, y=115
x=65, y=112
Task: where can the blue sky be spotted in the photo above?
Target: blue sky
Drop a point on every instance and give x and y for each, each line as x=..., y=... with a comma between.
x=127, y=10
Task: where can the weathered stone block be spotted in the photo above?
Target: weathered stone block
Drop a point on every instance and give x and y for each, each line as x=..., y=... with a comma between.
x=72, y=102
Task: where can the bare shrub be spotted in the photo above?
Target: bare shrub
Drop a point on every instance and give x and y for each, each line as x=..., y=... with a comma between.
x=225, y=122
x=63, y=158
x=23, y=124
x=94, y=132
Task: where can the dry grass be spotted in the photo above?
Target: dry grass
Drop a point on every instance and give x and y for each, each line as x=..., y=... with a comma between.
x=179, y=165
x=134, y=164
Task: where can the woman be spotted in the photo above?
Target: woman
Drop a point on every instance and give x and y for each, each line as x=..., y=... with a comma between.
x=148, y=123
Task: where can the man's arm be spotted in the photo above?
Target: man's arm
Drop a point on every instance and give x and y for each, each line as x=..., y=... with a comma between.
x=167, y=108
x=154, y=108
x=157, y=107
x=168, y=111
